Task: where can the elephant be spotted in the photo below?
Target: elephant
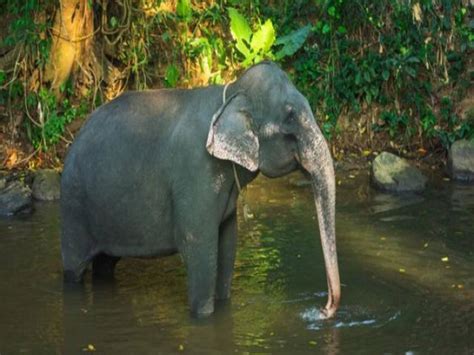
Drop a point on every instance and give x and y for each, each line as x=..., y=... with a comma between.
x=158, y=172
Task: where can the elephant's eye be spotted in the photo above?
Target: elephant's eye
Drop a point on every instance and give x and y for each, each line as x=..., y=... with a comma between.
x=289, y=120
x=290, y=115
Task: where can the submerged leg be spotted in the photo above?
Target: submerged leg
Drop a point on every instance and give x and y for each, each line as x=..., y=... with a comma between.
x=75, y=263
x=199, y=251
x=76, y=249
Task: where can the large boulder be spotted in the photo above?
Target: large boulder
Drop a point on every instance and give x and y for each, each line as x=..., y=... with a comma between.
x=46, y=185
x=15, y=197
x=461, y=160
x=394, y=174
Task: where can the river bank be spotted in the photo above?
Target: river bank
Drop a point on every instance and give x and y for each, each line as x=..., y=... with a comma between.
x=388, y=172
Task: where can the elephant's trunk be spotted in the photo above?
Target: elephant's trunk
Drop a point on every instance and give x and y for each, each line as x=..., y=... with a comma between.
x=315, y=157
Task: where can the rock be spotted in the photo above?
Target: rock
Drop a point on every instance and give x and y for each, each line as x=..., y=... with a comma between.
x=15, y=197
x=461, y=160
x=394, y=174
x=46, y=185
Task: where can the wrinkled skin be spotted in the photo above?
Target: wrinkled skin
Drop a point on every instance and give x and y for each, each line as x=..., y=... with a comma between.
x=151, y=174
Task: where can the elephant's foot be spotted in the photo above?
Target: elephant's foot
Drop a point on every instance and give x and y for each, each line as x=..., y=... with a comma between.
x=73, y=277
x=203, y=310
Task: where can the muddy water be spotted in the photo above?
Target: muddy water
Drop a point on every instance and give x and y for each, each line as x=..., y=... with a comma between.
x=407, y=268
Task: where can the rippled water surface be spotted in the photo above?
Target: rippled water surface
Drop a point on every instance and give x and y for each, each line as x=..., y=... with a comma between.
x=406, y=263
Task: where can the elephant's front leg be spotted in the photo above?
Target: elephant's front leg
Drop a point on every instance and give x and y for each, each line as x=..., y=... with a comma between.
x=199, y=251
x=226, y=257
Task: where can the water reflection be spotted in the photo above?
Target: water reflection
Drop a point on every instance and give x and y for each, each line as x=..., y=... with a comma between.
x=406, y=268
x=384, y=202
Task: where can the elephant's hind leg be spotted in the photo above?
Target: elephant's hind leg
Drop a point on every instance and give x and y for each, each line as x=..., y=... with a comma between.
x=103, y=266
x=77, y=249
x=74, y=266
x=75, y=261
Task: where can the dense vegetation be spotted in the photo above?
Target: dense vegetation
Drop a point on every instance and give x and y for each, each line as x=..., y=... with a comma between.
x=377, y=73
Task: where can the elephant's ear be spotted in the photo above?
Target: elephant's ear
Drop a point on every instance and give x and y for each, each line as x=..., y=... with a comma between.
x=231, y=136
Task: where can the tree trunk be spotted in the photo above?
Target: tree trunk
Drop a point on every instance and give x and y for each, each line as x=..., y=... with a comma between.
x=72, y=47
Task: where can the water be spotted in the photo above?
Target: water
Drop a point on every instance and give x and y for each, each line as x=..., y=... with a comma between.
x=406, y=266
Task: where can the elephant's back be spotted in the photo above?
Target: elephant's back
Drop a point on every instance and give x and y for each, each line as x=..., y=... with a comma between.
x=124, y=130
x=139, y=123
x=131, y=116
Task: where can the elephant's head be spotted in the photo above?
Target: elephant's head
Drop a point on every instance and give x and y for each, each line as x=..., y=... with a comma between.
x=266, y=124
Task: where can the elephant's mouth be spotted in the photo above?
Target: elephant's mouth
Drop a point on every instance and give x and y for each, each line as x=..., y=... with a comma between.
x=274, y=172
x=277, y=165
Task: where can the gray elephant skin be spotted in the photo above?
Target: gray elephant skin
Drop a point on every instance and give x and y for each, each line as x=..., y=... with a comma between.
x=153, y=173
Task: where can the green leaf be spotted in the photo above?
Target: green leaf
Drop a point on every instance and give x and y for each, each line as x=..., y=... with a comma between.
x=243, y=48
x=368, y=97
x=239, y=26
x=332, y=11
x=171, y=76
x=374, y=90
x=367, y=76
x=249, y=60
x=326, y=28
x=263, y=39
x=184, y=10
x=413, y=59
x=342, y=30
x=385, y=75
x=292, y=42
x=113, y=22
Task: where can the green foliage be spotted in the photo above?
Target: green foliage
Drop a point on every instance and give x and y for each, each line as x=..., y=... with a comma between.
x=257, y=45
x=365, y=55
x=291, y=42
x=171, y=76
x=47, y=115
x=54, y=115
x=184, y=10
x=349, y=58
x=254, y=46
x=392, y=122
x=455, y=127
x=239, y=26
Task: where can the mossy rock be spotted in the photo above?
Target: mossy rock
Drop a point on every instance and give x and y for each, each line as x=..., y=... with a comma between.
x=461, y=160
x=394, y=174
x=46, y=185
x=15, y=197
